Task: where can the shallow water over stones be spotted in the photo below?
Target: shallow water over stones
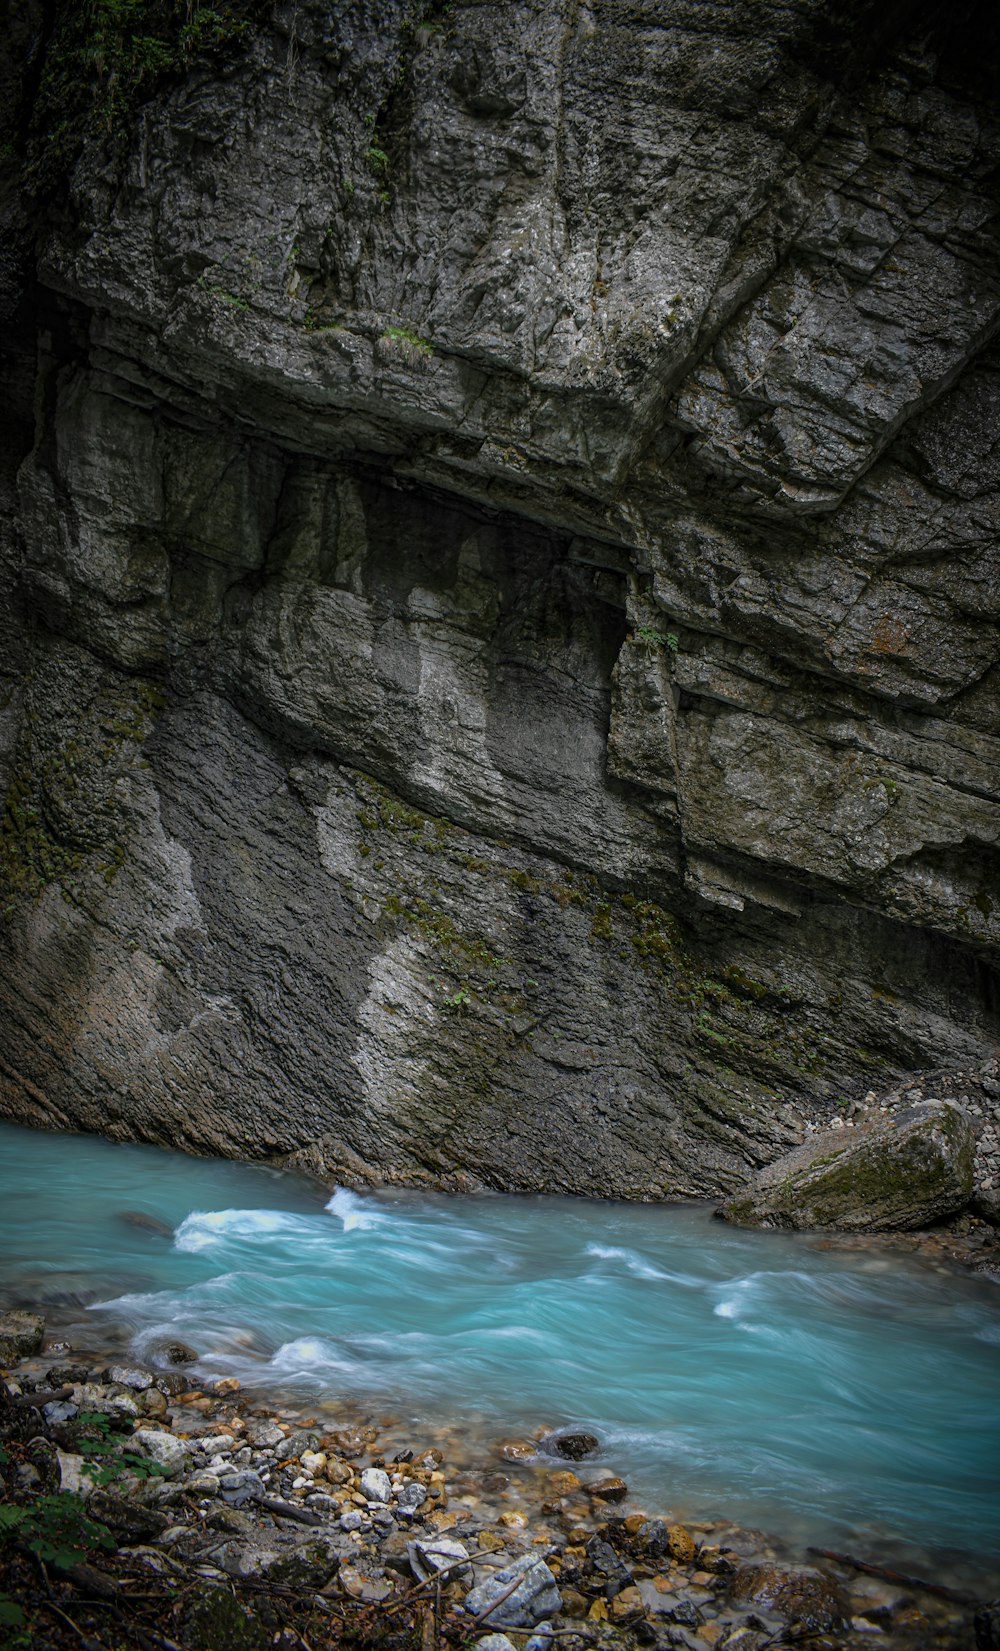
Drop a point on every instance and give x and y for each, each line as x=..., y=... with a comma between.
x=846, y=1399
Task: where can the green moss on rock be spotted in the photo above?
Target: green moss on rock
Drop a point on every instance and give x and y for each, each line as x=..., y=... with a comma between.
x=892, y=1174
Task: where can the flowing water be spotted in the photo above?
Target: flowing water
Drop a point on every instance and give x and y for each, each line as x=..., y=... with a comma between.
x=845, y=1398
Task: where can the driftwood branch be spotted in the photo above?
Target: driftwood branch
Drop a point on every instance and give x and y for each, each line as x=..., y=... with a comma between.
x=37, y=1400
x=898, y=1577
x=288, y=1510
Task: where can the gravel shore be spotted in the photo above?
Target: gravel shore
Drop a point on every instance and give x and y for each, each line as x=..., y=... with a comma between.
x=223, y=1520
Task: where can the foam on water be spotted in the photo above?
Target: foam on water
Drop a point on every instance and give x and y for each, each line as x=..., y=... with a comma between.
x=809, y=1391
x=352, y=1211
x=638, y=1265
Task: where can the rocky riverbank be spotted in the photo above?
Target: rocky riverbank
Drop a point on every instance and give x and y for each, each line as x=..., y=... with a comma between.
x=141, y=1508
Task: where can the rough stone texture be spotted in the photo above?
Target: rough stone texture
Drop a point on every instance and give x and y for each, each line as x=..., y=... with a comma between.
x=520, y=1595
x=891, y=1174
x=168, y=1453
x=500, y=675
x=807, y=1597
x=20, y=1335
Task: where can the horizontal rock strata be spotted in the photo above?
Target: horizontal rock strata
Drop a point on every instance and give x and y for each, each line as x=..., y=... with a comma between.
x=500, y=658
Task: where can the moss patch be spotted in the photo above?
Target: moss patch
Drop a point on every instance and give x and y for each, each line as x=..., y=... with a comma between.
x=61, y=817
x=106, y=57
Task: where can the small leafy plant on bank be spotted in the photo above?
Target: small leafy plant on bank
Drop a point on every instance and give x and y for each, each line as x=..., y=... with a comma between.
x=98, y=1445
x=55, y=1529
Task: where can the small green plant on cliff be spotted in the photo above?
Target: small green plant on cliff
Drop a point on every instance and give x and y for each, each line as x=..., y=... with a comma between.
x=224, y=296
x=657, y=639
x=105, y=57
x=409, y=339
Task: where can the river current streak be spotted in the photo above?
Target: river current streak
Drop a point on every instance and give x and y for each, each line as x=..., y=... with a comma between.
x=831, y=1396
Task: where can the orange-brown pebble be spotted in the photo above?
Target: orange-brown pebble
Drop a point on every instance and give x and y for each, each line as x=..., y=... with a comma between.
x=609, y=1490
x=680, y=1544
x=627, y=1603
x=339, y=1473
x=564, y=1484
x=515, y=1450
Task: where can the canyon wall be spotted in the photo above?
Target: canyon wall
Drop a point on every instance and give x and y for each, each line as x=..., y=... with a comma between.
x=500, y=671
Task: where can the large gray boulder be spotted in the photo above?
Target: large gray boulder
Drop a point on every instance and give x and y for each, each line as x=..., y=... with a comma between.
x=891, y=1173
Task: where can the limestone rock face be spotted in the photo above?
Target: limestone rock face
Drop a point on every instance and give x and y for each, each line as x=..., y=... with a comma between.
x=887, y=1175
x=498, y=590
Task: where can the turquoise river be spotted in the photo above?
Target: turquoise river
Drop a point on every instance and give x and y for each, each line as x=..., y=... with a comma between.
x=846, y=1397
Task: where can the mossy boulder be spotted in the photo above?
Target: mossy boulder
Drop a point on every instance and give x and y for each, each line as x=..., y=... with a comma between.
x=890, y=1173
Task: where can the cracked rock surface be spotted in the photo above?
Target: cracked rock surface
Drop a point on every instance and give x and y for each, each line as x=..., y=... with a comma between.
x=499, y=549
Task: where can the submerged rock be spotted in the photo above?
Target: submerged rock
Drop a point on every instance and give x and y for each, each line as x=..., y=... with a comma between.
x=177, y=1352
x=573, y=1447
x=146, y=1223
x=892, y=1173
x=805, y=1597
x=611, y=1489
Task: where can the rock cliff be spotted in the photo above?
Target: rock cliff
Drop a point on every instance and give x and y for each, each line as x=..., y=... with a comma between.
x=500, y=662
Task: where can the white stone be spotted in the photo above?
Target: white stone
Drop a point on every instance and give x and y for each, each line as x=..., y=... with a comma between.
x=163, y=1448
x=375, y=1485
